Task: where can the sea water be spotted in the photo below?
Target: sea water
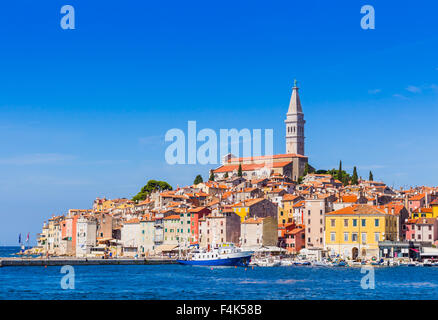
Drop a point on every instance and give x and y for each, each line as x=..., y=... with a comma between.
x=194, y=282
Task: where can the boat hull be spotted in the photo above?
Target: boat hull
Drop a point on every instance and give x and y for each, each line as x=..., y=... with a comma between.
x=236, y=261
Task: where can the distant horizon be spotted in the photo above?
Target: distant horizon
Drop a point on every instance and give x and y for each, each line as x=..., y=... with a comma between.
x=84, y=112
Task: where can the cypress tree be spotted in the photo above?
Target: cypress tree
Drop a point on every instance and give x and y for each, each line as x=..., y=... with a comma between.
x=371, y=178
x=340, y=171
x=211, y=176
x=354, y=178
x=239, y=171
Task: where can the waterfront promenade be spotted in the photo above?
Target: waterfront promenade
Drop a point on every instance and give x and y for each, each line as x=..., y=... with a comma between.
x=40, y=262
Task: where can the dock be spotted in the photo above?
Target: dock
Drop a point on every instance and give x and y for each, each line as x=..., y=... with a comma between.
x=42, y=262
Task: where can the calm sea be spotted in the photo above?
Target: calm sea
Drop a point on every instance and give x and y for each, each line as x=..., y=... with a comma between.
x=189, y=282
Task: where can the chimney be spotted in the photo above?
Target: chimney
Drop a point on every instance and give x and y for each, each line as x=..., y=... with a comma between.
x=392, y=210
x=386, y=210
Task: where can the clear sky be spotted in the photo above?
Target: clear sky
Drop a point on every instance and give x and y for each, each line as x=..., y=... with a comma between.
x=83, y=112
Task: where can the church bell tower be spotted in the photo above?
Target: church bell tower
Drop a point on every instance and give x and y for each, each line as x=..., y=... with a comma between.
x=295, y=124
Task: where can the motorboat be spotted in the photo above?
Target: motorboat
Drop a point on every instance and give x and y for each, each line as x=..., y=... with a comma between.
x=225, y=254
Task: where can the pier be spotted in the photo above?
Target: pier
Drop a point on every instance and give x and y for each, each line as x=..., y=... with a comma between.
x=39, y=262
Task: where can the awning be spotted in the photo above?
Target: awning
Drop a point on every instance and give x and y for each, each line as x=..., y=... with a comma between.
x=165, y=248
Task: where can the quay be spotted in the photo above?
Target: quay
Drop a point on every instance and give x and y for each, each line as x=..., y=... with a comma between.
x=41, y=262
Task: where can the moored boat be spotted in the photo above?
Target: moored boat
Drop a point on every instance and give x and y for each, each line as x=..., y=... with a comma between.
x=225, y=254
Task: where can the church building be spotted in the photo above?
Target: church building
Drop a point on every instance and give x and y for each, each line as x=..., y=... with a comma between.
x=291, y=164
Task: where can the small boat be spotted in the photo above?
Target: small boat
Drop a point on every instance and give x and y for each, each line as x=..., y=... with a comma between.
x=302, y=263
x=268, y=262
x=340, y=264
x=225, y=254
x=286, y=262
x=320, y=263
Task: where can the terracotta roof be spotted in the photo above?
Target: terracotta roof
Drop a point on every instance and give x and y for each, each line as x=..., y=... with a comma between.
x=417, y=197
x=253, y=221
x=172, y=217
x=358, y=209
x=134, y=220
x=289, y=197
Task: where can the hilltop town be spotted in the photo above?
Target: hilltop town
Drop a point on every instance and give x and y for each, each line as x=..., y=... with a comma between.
x=270, y=203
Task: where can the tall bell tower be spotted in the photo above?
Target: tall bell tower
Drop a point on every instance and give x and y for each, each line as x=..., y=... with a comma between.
x=295, y=124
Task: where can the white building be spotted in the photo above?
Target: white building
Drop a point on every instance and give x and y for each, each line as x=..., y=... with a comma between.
x=86, y=236
x=130, y=236
x=147, y=233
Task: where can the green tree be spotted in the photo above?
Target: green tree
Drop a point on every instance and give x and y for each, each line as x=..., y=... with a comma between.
x=339, y=174
x=354, y=177
x=226, y=175
x=151, y=186
x=211, y=176
x=239, y=171
x=321, y=171
x=198, y=179
x=306, y=169
x=371, y=177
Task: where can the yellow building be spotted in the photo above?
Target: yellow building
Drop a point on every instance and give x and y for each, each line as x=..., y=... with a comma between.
x=434, y=205
x=286, y=212
x=425, y=212
x=355, y=231
x=251, y=208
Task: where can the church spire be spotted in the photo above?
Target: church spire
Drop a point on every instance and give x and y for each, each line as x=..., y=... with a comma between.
x=295, y=124
x=295, y=103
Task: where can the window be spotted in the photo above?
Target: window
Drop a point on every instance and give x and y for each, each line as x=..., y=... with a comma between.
x=376, y=236
x=346, y=236
x=419, y=236
x=354, y=237
x=364, y=223
x=332, y=236
x=320, y=212
x=376, y=222
x=430, y=237
x=332, y=222
x=354, y=222
x=308, y=212
x=281, y=213
x=345, y=222
x=364, y=237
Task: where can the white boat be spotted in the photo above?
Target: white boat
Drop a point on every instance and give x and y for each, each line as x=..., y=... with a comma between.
x=226, y=254
x=286, y=263
x=268, y=262
x=302, y=263
x=320, y=264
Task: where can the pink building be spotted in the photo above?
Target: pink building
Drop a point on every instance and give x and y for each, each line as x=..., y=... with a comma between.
x=417, y=201
x=295, y=239
x=422, y=229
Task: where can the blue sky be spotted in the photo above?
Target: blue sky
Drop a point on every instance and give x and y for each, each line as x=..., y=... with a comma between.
x=83, y=112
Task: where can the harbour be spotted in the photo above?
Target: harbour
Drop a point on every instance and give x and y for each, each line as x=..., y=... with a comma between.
x=173, y=281
x=38, y=262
